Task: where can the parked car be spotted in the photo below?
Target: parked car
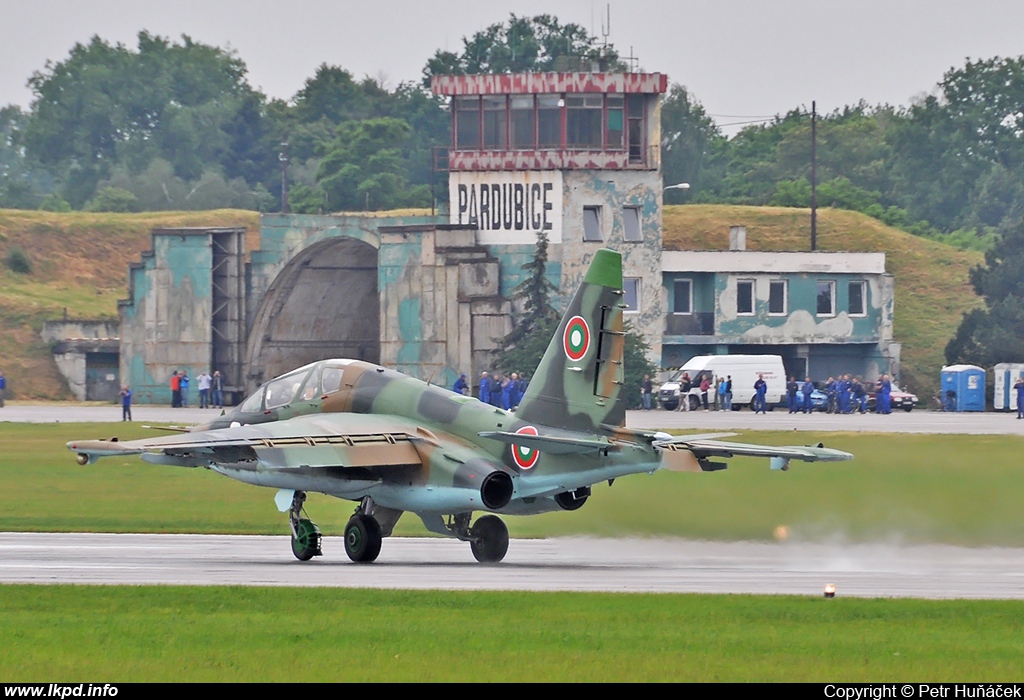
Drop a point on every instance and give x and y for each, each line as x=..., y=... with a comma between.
x=898, y=398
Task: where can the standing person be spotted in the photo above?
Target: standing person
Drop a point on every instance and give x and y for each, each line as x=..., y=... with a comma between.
x=646, y=387
x=3, y=389
x=1019, y=388
x=521, y=385
x=507, y=387
x=204, y=389
x=485, y=387
x=760, y=392
x=705, y=384
x=184, y=388
x=860, y=397
x=830, y=390
x=460, y=385
x=791, y=390
x=721, y=394
x=883, y=397
x=126, y=403
x=728, y=392
x=684, y=392
x=807, y=389
x=217, y=387
x=175, y=390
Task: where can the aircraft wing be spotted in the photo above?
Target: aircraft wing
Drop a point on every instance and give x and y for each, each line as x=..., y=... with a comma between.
x=693, y=453
x=319, y=440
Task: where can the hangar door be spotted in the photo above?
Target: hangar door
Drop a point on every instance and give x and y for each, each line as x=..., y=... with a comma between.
x=323, y=304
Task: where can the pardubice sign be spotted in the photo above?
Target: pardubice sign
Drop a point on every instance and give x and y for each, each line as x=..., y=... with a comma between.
x=508, y=207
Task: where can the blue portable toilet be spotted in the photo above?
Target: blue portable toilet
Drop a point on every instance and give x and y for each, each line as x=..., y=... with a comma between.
x=967, y=384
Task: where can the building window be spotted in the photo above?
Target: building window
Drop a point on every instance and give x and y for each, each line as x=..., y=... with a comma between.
x=635, y=116
x=631, y=224
x=583, y=121
x=495, y=122
x=826, y=298
x=549, y=121
x=858, y=298
x=778, y=298
x=631, y=293
x=614, y=120
x=592, y=224
x=467, y=123
x=745, y=297
x=524, y=127
x=682, y=297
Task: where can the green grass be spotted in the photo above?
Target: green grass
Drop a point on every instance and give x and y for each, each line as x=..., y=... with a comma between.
x=956, y=489
x=125, y=634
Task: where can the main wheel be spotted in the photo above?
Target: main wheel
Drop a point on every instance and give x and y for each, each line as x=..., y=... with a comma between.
x=306, y=541
x=362, y=538
x=490, y=539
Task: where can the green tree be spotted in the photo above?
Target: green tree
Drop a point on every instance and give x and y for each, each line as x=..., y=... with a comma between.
x=992, y=335
x=363, y=167
x=106, y=105
x=689, y=138
x=524, y=45
x=113, y=199
x=636, y=366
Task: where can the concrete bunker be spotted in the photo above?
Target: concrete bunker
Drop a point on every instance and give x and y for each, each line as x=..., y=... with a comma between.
x=323, y=304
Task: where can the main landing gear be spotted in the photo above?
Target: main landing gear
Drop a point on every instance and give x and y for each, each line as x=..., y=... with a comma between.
x=488, y=537
x=305, y=533
x=363, y=535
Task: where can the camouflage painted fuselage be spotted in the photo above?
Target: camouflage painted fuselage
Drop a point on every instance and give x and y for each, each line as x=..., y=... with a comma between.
x=411, y=446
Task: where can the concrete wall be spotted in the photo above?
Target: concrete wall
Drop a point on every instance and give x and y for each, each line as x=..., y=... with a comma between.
x=165, y=322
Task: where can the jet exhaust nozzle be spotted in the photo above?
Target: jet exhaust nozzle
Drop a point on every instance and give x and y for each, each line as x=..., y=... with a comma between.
x=496, y=490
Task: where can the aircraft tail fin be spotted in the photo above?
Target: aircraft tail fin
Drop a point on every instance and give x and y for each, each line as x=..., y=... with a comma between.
x=578, y=384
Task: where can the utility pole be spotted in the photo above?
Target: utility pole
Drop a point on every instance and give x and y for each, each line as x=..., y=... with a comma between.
x=814, y=176
x=283, y=157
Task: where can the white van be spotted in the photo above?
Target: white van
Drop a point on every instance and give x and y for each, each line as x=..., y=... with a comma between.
x=744, y=370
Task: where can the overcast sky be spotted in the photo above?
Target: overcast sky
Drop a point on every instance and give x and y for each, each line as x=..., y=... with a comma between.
x=743, y=59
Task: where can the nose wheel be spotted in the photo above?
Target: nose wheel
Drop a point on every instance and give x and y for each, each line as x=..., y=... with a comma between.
x=305, y=533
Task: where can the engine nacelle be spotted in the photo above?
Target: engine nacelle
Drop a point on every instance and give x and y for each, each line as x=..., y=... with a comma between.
x=496, y=490
x=573, y=500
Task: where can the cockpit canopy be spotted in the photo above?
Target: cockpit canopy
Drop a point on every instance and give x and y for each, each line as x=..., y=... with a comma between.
x=306, y=383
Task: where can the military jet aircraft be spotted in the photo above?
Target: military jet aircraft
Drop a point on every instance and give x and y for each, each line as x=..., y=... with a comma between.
x=393, y=443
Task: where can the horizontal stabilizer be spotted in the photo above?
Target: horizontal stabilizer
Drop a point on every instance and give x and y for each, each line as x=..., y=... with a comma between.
x=549, y=444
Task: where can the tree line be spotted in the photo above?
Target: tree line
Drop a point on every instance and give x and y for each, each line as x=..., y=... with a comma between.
x=176, y=125
x=173, y=125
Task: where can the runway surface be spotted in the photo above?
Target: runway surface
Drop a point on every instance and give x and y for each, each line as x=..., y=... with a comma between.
x=917, y=421
x=633, y=566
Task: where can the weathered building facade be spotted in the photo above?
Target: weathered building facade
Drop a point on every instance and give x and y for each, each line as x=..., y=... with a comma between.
x=572, y=156
x=824, y=313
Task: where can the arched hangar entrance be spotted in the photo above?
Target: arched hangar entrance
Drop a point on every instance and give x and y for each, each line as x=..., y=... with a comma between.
x=323, y=304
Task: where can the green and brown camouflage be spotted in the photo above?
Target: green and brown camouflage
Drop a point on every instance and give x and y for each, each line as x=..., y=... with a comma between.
x=393, y=443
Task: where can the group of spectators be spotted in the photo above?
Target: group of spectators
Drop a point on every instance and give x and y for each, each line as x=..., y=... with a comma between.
x=502, y=391
x=211, y=389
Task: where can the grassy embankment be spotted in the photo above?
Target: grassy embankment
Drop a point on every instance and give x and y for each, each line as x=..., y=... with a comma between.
x=955, y=489
x=149, y=633
x=79, y=263
x=932, y=288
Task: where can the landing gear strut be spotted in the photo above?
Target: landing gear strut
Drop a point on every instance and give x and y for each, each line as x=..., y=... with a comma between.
x=305, y=533
x=363, y=534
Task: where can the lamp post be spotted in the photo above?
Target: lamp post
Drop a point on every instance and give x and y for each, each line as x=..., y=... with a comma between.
x=283, y=158
x=679, y=186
